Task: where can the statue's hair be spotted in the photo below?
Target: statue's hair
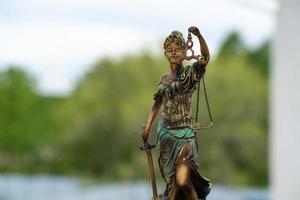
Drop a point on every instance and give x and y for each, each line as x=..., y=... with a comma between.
x=176, y=37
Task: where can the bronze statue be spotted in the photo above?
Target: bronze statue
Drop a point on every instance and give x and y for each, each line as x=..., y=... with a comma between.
x=177, y=143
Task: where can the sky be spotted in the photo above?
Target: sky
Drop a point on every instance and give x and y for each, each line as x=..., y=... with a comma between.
x=57, y=41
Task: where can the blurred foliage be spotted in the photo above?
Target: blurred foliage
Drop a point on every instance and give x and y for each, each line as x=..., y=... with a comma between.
x=27, y=121
x=95, y=131
x=234, y=46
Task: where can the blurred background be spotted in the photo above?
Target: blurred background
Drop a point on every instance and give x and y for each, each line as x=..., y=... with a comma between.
x=77, y=80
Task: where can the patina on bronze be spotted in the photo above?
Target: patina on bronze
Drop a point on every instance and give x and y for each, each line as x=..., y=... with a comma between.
x=177, y=143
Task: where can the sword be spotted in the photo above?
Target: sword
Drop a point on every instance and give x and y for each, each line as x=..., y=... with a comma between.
x=147, y=147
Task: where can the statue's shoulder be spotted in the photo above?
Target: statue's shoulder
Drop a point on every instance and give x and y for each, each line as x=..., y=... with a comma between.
x=163, y=78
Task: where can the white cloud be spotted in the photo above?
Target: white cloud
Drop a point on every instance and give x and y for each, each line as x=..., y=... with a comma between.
x=63, y=50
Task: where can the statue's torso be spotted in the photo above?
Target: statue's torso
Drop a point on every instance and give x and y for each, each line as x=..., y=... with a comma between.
x=176, y=107
x=176, y=97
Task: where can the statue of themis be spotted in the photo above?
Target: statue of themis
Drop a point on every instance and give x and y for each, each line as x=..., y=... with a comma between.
x=176, y=131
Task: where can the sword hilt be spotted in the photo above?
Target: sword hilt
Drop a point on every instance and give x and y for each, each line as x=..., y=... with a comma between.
x=147, y=147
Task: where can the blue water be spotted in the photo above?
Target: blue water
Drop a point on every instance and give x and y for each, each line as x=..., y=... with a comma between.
x=49, y=187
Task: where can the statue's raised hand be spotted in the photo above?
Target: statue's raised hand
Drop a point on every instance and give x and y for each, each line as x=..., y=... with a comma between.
x=194, y=30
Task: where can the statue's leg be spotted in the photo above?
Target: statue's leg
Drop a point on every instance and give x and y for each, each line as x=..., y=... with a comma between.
x=183, y=180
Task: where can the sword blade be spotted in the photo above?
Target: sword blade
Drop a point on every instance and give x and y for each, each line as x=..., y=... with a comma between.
x=152, y=174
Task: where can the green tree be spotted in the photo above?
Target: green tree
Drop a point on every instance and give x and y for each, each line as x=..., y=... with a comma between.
x=26, y=121
x=103, y=116
x=232, y=46
x=260, y=58
x=17, y=100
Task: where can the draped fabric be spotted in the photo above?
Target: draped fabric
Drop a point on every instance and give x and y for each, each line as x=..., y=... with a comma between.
x=175, y=147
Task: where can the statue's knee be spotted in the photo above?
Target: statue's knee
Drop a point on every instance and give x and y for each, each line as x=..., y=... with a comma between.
x=182, y=182
x=183, y=175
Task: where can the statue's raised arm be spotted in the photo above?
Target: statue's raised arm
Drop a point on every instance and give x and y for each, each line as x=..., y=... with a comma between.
x=203, y=46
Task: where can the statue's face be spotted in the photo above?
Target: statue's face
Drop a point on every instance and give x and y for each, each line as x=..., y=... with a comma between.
x=175, y=53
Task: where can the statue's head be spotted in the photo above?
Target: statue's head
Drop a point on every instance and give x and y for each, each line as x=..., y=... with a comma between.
x=174, y=46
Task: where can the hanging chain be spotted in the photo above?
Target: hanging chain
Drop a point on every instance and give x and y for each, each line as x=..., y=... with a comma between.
x=196, y=125
x=198, y=101
x=207, y=103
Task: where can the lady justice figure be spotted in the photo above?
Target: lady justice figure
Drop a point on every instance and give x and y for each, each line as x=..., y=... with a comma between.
x=177, y=144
